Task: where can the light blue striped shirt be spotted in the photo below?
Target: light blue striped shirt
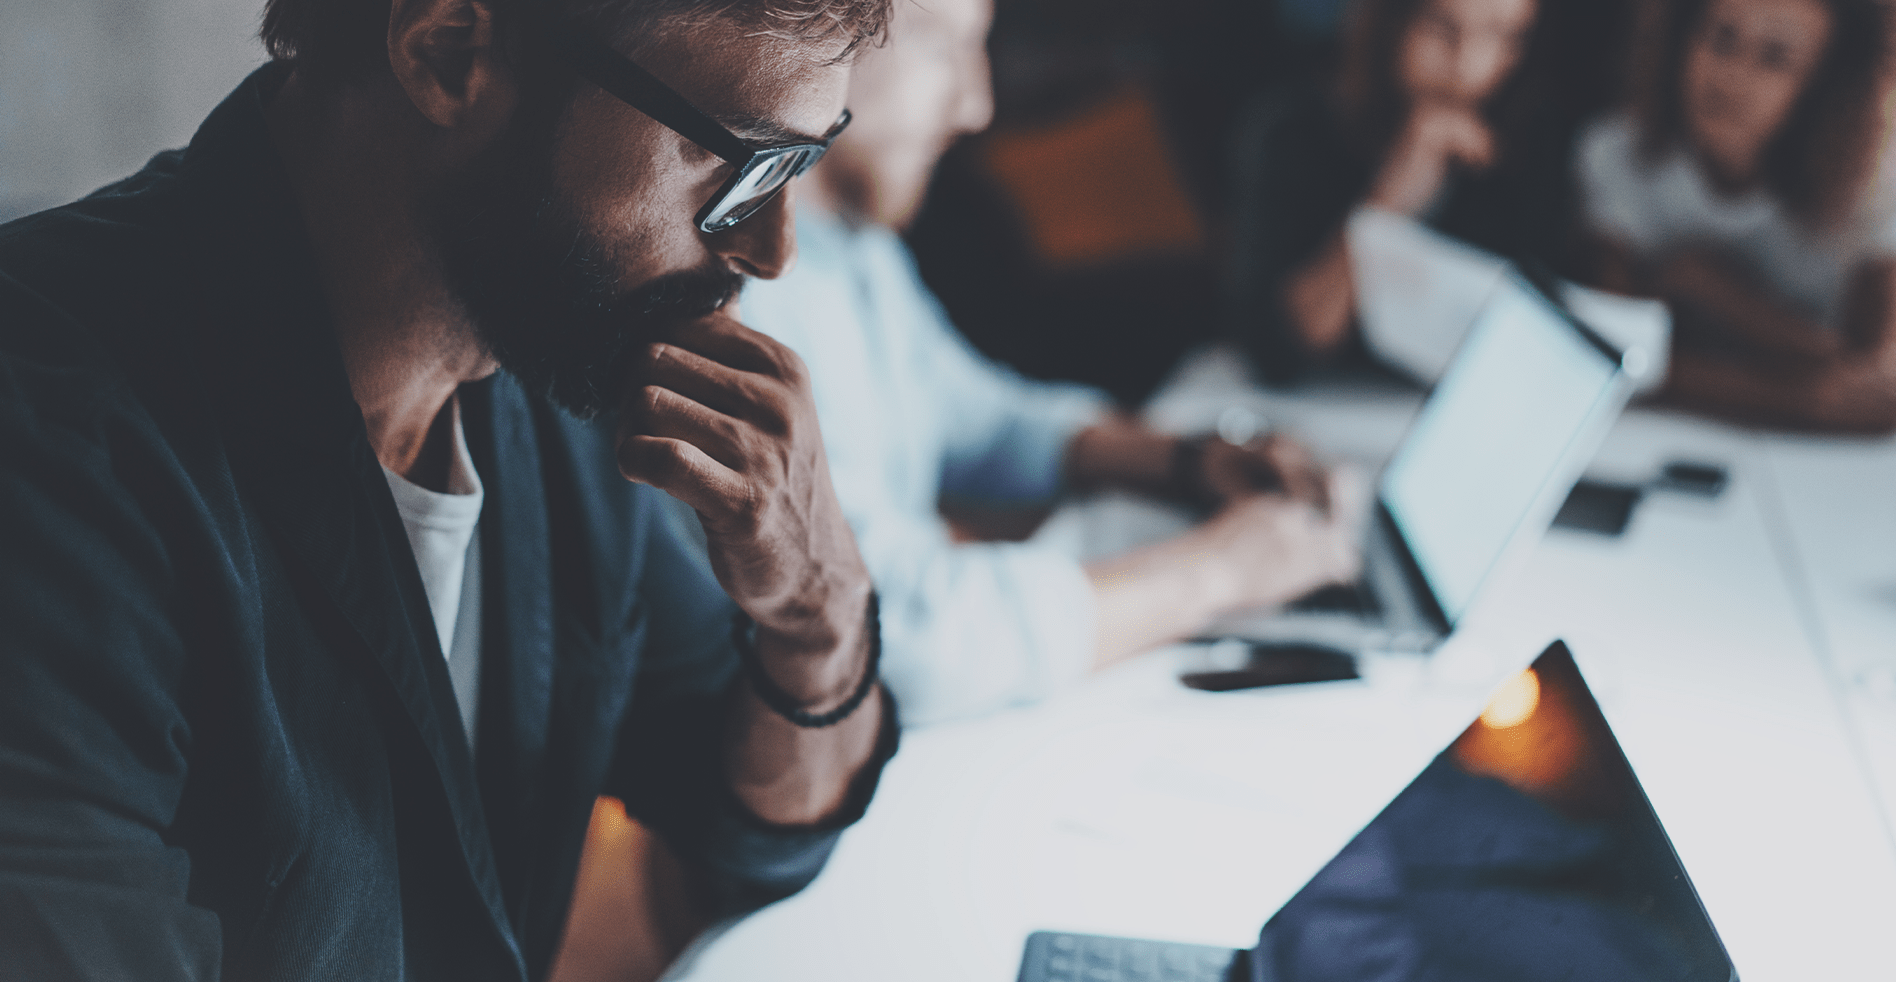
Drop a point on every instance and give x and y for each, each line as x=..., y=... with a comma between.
x=912, y=414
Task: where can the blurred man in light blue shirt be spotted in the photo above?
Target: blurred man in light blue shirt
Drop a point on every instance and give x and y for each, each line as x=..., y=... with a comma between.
x=912, y=416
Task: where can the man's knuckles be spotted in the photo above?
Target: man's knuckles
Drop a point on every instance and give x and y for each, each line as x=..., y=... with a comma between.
x=723, y=339
x=773, y=400
x=741, y=515
x=658, y=460
x=791, y=367
x=653, y=402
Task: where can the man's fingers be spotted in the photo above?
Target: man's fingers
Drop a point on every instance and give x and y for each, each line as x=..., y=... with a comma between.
x=664, y=413
x=715, y=384
x=1309, y=486
x=1351, y=496
x=1302, y=477
x=730, y=368
x=724, y=340
x=684, y=472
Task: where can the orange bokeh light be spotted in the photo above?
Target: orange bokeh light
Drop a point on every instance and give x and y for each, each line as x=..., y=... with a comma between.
x=1514, y=703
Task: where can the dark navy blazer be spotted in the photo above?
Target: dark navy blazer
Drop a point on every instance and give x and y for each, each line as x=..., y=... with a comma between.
x=228, y=741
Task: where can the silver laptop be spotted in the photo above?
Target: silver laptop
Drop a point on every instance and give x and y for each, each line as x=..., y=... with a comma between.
x=1477, y=479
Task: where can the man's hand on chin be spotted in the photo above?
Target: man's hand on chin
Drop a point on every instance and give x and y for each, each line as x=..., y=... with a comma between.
x=723, y=419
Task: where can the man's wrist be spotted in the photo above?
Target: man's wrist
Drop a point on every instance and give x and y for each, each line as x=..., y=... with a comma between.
x=1216, y=574
x=800, y=711
x=817, y=659
x=1119, y=452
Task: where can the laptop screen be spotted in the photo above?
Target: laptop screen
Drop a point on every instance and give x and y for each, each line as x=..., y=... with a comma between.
x=1527, y=851
x=1495, y=439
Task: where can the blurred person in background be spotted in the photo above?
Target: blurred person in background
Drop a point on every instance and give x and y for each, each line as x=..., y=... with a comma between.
x=1430, y=117
x=913, y=416
x=336, y=584
x=1737, y=187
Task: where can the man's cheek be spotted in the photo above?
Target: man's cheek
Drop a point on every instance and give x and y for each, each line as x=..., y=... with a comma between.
x=643, y=244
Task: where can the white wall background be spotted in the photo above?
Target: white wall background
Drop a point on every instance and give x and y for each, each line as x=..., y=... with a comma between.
x=89, y=89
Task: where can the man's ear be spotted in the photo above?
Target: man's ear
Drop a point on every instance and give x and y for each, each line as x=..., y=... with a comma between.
x=444, y=55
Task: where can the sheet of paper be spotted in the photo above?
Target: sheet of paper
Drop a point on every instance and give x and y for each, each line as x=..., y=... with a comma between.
x=1418, y=291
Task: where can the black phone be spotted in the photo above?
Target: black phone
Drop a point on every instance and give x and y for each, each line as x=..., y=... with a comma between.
x=1599, y=507
x=1691, y=477
x=1279, y=663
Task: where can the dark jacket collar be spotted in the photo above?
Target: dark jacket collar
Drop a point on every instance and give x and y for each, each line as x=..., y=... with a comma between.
x=300, y=450
x=506, y=442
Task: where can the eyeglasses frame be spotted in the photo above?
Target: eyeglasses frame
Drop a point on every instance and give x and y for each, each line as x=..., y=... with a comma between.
x=629, y=82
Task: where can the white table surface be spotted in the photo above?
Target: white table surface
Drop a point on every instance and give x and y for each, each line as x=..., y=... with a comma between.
x=1743, y=649
x=1838, y=536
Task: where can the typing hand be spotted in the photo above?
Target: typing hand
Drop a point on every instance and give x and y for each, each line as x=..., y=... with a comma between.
x=1270, y=463
x=723, y=420
x=1276, y=548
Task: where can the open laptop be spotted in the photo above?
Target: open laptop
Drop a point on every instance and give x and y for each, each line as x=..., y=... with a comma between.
x=1418, y=290
x=1477, y=479
x=1526, y=851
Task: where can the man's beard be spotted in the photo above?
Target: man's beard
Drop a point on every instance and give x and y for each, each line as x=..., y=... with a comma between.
x=544, y=293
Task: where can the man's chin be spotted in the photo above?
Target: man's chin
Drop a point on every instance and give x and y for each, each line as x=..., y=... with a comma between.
x=899, y=200
x=557, y=320
x=582, y=367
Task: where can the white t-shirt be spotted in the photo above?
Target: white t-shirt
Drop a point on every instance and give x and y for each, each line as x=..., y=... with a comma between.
x=441, y=531
x=1656, y=205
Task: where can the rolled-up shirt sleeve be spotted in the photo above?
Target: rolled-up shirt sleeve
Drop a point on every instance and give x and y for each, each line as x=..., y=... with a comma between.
x=1004, y=437
x=974, y=627
x=981, y=626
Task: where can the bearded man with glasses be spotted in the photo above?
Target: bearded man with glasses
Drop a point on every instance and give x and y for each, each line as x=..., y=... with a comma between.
x=336, y=583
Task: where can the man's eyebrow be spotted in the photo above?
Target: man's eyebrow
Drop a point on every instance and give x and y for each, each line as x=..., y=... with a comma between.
x=764, y=131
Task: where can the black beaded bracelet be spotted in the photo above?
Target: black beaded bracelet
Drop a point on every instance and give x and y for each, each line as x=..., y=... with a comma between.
x=785, y=705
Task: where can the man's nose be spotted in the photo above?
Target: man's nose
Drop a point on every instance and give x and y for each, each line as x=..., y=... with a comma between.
x=764, y=245
x=975, y=107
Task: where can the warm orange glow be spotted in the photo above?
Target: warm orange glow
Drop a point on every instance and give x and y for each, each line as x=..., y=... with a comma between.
x=1516, y=701
x=635, y=906
x=1541, y=736
x=1100, y=187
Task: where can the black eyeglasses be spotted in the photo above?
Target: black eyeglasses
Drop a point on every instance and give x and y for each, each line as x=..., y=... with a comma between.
x=761, y=171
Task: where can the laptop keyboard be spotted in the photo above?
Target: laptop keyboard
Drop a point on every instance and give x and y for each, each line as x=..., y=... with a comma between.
x=1355, y=598
x=1054, y=957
